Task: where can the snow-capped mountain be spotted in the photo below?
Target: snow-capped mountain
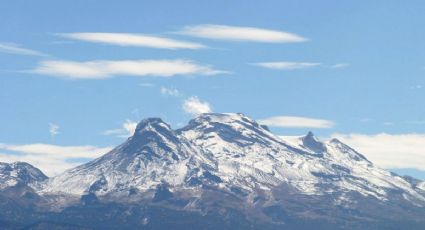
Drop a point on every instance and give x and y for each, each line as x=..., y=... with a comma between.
x=19, y=173
x=234, y=153
x=229, y=170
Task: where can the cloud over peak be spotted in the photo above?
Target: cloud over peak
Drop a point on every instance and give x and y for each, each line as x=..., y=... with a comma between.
x=194, y=106
x=127, y=129
x=236, y=33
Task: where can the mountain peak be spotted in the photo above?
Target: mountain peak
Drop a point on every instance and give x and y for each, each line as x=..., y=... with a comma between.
x=223, y=118
x=310, y=134
x=229, y=126
x=312, y=143
x=151, y=124
x=152, y=130
x=153, y=127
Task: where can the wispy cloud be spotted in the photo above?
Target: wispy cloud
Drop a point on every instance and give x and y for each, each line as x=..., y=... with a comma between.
x=170, y=92
x=127, y=129
x=12, y=48
x=53, y=129
x=194, y=106
x=296, y=122
x=340, y=66
x=287, y=65
x=389, y=150
x=145, y=84
x=126, y=39
x=51, y=159
x=59, y=151
x=101, y=69
x=236, y=33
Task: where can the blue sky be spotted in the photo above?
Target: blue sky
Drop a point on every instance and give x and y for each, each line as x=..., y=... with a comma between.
x=353, y=70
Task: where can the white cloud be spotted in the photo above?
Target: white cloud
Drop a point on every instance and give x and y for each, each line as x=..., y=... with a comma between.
x=53, y=129
x=125, y=39
x=170, y=92
x=51, y=159
x=12, y=48
x=389, y=150
x=100, y=69
x=287, y=65
x=235, y=33
x=195, y=106
x=296, y=122
x=127, y=129
x=340, y=66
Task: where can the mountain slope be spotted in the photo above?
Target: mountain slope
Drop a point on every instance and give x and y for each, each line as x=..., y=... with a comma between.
x=152, y=155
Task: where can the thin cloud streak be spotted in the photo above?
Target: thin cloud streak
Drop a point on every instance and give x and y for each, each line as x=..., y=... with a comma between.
x=296, y=122
x=287, y=65
x=236, y=33
x=85, y=151
x=147, y=85
x=138, y=40
x=340, y=66
x=12, y=48
x=101, y=69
